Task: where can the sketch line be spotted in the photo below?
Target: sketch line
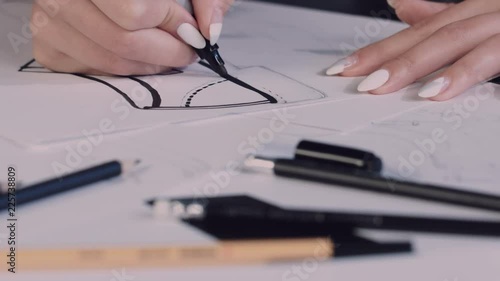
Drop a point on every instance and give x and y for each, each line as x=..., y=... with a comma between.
x=190, y=98
x=154, y=93
x=156, y=97
x=240, y=83
x=210, y=106
x=124, y=95
x=26, y=65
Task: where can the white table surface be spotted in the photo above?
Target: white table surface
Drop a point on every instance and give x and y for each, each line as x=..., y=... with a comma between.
x=177, y=159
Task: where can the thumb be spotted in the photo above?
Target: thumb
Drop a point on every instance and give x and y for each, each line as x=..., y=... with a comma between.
x=414, y=11
x=209, y=15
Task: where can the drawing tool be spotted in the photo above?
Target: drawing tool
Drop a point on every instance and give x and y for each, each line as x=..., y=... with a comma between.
x=245, y=207
x=66, y=183
x=359, y=179
x=338, y=155
x=495, y=79
x=222, y=254
x=209, y=53
x=3, y=188
x=247, y=86
x=349, y=242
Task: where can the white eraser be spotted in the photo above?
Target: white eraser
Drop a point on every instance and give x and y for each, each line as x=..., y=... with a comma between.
x=162, y=209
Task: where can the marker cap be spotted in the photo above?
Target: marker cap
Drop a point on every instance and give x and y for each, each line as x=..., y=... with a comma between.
x=338, y=156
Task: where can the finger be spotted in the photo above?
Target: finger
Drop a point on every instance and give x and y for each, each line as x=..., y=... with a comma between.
x=151, y=45
x=370, y=58
x=180, y=20
x=480, y=65
x=167, y=15
x=209, y=15
x=51, y=58
x=413, y=11
x=453, y=41
x=135, y=14
x=56, y=61
x=69, y=41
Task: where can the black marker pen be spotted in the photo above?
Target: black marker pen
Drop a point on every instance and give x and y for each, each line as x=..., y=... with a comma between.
x=211, y=55
x=203, y=47
x=240, y=207
x=361, y=179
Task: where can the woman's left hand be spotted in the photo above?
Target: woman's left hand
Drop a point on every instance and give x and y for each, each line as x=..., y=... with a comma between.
x=465, y=36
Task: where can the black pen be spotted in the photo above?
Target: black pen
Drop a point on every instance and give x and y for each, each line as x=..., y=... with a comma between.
x=65, y=183
x=209, y=53
x=360, y=179
x=249, y=208
x=244, y=217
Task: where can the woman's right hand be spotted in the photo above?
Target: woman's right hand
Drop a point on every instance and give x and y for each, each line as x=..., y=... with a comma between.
x=122, y=37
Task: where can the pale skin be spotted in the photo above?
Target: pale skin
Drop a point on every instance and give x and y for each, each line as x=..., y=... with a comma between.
x=463, y=37
x=123, y=37
x=119, y=37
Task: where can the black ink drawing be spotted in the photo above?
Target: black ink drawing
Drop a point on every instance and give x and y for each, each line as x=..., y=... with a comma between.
x=205, y=96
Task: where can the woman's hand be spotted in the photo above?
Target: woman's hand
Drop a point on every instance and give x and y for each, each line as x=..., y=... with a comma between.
x=122, y=37
x=465, y=36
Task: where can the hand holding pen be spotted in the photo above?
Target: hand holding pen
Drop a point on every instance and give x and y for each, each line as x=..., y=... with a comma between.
x=123, y=37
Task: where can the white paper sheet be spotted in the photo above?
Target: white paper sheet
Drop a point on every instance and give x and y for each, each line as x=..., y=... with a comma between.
x=179, y=159
x=278, y=55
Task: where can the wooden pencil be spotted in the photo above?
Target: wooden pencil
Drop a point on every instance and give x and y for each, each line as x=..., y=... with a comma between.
x=224, y=253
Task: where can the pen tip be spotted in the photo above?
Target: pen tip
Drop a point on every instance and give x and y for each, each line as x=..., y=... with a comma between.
x=223, y=72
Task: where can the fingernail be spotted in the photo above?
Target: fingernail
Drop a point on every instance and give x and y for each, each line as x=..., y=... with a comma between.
x=433, y=88
x=216, y=26
x=341, y=65
x=191, y=35
x=215, y=31
x=392, y=3
x=374, y=81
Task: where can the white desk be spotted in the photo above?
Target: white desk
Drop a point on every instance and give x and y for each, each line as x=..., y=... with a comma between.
x=113, y=213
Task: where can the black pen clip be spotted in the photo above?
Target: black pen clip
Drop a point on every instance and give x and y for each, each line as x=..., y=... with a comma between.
x=211, y=54
x=338, y=157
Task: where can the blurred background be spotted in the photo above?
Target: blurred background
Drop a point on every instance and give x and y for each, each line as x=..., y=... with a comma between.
x=357, y=7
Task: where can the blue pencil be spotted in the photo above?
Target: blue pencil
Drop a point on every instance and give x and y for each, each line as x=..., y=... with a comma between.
x=66, y=183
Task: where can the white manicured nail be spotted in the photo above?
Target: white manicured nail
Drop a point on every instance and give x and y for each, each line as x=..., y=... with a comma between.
x=433, y=88
x=341, y=65
x=215, y=31
x=191, y=36
x=374, y=81
x=392, y=3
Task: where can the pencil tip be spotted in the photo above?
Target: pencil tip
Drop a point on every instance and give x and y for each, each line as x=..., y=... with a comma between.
x=128, y=165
